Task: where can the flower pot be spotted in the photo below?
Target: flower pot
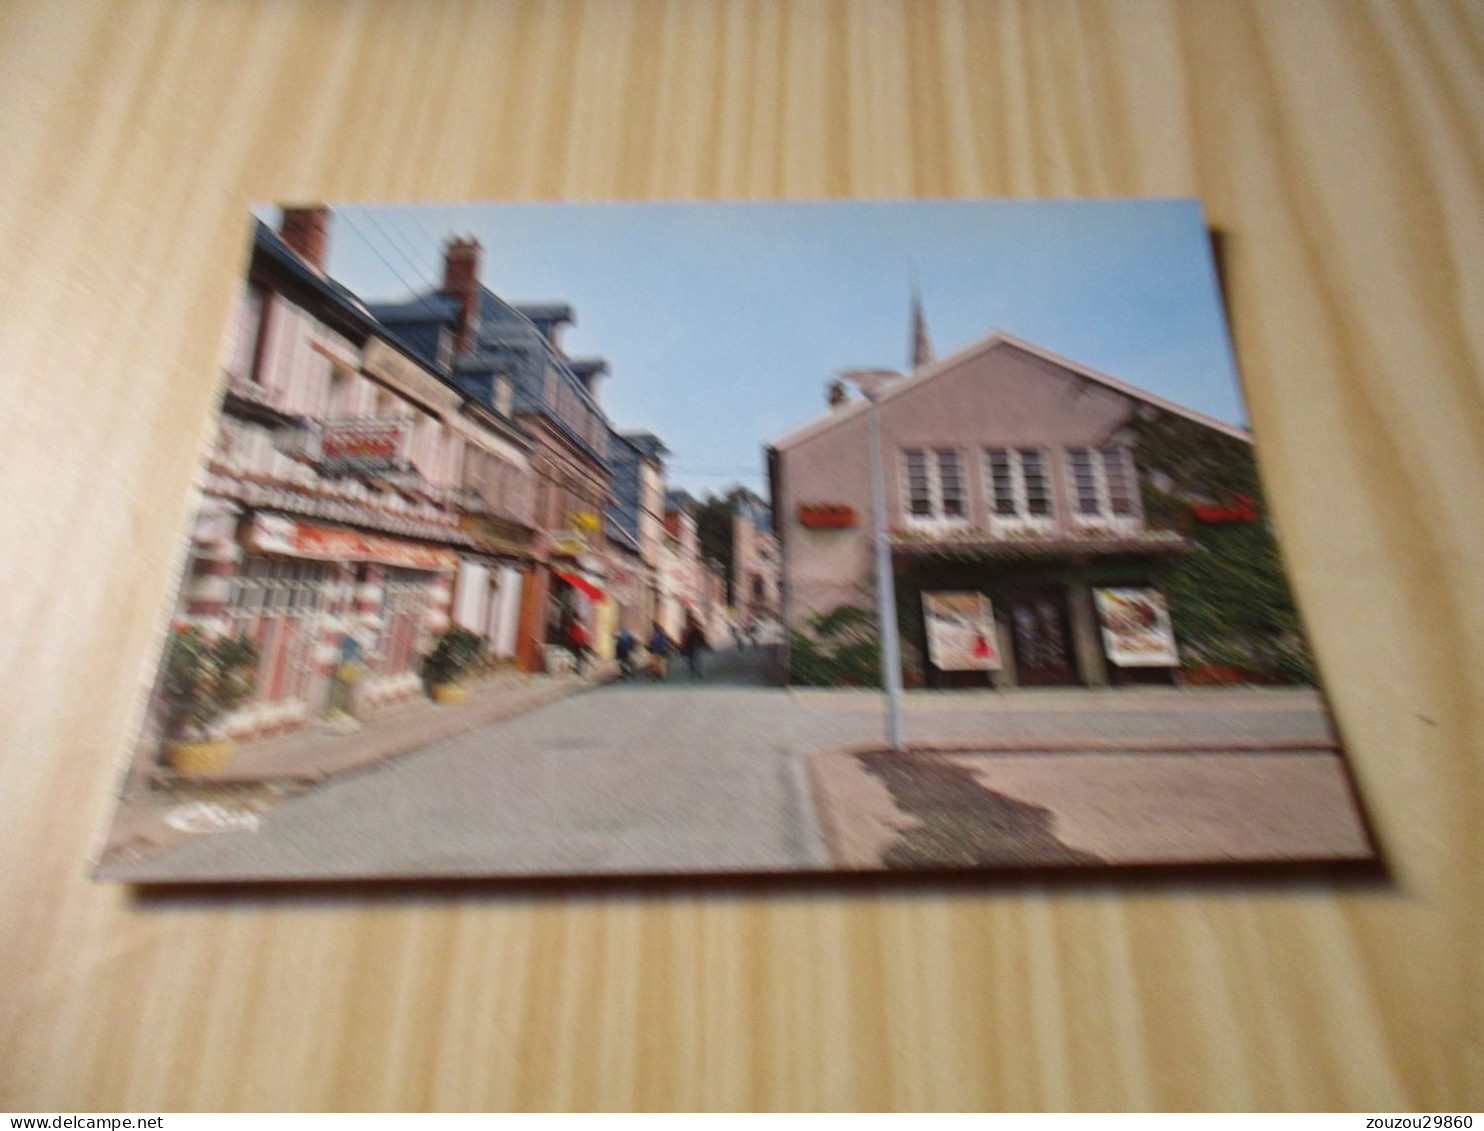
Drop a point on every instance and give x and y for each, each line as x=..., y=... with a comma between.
x=449, y=694
x=200, y=757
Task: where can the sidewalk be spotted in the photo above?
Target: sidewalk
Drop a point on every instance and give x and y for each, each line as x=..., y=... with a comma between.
x=927, y=809
x=263, y=773
x=323, y=749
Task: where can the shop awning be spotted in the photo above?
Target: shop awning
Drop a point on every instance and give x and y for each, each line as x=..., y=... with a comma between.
x=581, y=584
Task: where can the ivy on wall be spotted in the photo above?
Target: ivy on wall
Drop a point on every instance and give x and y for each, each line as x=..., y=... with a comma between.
x=1229, y=599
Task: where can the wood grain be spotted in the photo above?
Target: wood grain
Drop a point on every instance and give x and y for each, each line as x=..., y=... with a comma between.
x=1337, y=147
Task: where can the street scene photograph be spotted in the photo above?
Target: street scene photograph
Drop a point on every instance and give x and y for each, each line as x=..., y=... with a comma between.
x=544, y=540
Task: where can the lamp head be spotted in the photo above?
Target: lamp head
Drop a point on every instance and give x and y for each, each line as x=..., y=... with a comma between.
x=869, y=381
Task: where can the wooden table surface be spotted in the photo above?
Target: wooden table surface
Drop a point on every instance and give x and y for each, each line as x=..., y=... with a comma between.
x=1337, y=148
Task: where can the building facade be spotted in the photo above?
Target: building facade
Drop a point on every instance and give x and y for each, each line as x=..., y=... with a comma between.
x=636, y=526
x=510, y=359
x=1011, y=474
x=334, y=522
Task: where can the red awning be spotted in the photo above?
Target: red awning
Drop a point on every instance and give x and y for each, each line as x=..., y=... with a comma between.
x=582, y=584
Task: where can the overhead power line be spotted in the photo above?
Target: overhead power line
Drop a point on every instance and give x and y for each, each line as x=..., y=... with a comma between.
x=376, y=251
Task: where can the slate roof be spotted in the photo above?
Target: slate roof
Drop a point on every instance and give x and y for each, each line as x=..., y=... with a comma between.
x=647, y=443
x=547, y=311
x=507, y=341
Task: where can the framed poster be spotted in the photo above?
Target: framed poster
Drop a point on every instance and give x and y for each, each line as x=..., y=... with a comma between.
x=960, y=632
x=1136, y=628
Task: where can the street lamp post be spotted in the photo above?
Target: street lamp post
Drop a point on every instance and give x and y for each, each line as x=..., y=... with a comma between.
x=870, y=382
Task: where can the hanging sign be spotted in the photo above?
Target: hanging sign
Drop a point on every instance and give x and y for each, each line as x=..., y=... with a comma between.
x=386, y=364
x=1136, y=628
x=961, y=632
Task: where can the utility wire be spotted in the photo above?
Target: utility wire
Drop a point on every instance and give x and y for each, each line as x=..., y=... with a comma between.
x=396, y=244
x=418, y=224
x=376, y=251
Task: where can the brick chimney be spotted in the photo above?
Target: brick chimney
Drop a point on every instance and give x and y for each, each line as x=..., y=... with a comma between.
x=461, y=281
x=307, y=232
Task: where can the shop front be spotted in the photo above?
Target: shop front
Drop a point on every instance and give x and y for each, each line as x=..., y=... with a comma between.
x=993, y=617
x=492, y=581
x=576, y=600
x=324, y=604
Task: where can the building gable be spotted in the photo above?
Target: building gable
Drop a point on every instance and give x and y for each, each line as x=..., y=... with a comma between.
x=994, y=358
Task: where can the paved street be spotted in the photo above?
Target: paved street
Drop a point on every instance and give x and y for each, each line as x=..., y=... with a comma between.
x=687, y=776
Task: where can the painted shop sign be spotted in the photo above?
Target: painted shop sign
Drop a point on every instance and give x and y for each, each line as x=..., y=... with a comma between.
x=274, y=534
x=363, y=445
x=577, y=538
x=826, y=516
x=398, y=372
x=1136, y=628
x=502, y=537
x=961, y=632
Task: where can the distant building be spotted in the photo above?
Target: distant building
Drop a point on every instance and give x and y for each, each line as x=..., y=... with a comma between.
x=636, y=525
x=1012, y=474
x=683, y=585
x=756, y=563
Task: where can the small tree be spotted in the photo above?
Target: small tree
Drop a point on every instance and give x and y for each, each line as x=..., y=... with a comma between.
x=456, y=652
x=204, y=679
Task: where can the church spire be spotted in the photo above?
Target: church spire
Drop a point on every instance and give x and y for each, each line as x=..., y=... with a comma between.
x=922, y=349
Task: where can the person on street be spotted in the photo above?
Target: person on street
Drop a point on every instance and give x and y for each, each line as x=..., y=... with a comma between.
x=659, y=651
x=623, y=651
x=577, y=643
x=693, y=644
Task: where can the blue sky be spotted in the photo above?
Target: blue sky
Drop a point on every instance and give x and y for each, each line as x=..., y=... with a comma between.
x=723, y=323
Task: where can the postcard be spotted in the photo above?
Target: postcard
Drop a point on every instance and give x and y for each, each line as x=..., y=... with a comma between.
x=729, y=539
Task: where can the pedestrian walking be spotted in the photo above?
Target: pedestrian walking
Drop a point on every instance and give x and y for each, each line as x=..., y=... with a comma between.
x=578, y=642
x=623, y=651
x=693, y=644
x=659, y=651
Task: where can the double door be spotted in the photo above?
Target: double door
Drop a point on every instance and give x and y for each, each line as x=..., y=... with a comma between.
x=1041, y=630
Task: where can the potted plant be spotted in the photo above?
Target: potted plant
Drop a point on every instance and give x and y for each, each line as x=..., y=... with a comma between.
x=456, y=652
x=205, y=677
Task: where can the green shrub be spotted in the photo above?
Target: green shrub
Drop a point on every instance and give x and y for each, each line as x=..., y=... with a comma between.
x=841, y=648
x=204, y=679
x=456, y=652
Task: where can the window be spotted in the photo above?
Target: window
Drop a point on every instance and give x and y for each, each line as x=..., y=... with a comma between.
x=337, y=397
x=935, y=488
x=951, y=483
x=243, y=355
x=1104, y=484
x=1019, y=487
x=1117, y=473
x=919, y=487
x=1085, y=483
